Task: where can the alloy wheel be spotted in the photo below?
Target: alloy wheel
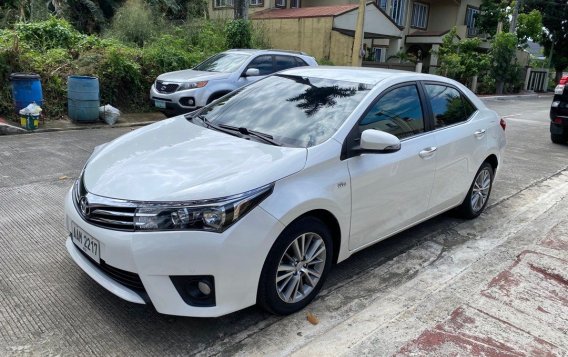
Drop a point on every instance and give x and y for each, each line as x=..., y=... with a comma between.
x=301, y=267
x=480, y=191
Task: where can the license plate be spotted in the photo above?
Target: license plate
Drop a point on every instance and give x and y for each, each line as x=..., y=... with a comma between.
x=160, y=104
x=86, y=243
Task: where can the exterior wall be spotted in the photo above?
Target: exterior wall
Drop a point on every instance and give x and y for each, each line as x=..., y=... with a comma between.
x=341, y=49
x=311, y=35
x=443, y=16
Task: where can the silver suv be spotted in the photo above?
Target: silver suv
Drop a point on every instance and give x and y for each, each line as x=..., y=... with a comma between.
x=184, y=91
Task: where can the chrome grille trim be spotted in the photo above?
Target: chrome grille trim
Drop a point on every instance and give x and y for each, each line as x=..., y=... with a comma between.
x=166, y=87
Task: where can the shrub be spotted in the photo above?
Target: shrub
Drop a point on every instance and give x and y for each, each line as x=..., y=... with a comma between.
x=121, y=80
x=134, y=23
x=169, y=53
x=238, y=34
x=45, y=35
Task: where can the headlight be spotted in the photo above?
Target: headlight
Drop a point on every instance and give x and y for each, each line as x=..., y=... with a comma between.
x=209, y=216
x=192, y=85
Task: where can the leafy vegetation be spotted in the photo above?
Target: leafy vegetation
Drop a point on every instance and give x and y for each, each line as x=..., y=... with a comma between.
x=126, y=59
x=461, y=59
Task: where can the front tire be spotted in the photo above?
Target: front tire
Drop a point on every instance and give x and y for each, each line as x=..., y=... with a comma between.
x=478, y=195
x=296, y=267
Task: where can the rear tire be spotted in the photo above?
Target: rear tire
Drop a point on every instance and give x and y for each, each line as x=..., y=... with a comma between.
x=558, y=138
x=293, y=275
x=478, y=195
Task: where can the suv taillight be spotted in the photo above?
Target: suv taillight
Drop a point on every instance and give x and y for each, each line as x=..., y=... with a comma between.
x=503, y=124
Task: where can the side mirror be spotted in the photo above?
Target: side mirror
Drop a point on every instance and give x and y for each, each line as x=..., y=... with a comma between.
x=252, y=72
x=376, y=141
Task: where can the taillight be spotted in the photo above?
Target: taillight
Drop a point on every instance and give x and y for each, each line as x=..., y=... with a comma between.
x=503, y=124
x=557, y=120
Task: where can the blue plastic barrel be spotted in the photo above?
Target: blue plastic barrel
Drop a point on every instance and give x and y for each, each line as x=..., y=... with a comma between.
x=26, y=89
x=83, y=98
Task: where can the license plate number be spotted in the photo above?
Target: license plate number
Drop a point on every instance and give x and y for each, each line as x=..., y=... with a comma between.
x=86, y=243
x=160, y=104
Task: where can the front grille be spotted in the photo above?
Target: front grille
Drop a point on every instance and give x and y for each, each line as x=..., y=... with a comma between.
x=103, y=212
x=126, y=278
x=165, y=87
x=112, y=217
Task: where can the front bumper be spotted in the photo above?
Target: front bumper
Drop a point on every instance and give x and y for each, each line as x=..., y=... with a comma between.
x=177, y=102
x=234, y=258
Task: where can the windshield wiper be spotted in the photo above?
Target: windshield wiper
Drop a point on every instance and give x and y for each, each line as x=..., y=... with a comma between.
x=208, y=124
x=257, y=134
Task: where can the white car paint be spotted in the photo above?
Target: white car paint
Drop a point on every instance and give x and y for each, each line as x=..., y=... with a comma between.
x=371, y=196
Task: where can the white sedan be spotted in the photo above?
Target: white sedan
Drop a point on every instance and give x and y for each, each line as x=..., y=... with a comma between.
x=254, y=198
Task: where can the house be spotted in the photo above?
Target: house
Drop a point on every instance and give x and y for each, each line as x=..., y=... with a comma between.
x=325, y=28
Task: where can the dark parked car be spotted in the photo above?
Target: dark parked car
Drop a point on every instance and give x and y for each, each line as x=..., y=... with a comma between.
x=559, y=115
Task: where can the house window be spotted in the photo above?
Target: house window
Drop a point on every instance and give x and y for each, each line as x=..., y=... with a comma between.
x=419, y=15
x=223, y=3
x=398, y=8
x=294, y=4
x=255, y=2
x=382, y=4
x=470, y=17
x=280, y=3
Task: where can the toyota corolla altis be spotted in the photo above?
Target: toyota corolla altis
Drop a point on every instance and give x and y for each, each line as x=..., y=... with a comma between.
x=253, y=198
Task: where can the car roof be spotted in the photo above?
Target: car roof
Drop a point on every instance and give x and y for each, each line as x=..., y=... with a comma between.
x=253, y=51
x=364, y=75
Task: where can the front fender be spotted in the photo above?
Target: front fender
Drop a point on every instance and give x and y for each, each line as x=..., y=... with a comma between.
x=324, y=184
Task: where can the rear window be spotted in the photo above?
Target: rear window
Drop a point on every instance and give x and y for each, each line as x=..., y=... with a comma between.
x=448, y=105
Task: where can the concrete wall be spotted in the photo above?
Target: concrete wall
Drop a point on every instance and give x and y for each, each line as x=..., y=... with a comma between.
x=341, y=49
x=311, y=35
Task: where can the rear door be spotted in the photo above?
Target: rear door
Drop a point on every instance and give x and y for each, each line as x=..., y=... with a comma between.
x=461, y=143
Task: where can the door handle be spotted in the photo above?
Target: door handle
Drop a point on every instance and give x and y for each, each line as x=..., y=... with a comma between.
x=479, y=134
x=427, y=152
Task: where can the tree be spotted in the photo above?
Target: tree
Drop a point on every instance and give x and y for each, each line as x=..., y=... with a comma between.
x=503, y=50
x=461, y=59
x=555, y=37
x=529, y=26
x=492, y=12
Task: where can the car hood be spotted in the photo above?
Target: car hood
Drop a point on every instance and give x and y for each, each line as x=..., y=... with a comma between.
x=187, y=75
x=175, y=160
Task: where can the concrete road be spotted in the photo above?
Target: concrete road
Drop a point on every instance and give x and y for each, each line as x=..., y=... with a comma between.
x=446, y=286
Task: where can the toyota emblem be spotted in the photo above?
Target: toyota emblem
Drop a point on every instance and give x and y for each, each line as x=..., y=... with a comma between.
x=84, y=206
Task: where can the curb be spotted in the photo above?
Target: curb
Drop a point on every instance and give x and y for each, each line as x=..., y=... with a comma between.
x=516, y=96
x=6, y=129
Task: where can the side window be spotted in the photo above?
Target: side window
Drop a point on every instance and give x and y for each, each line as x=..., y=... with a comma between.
x=448, y=106
x=263, y=64
x=398, y=112
x=300, y=62
x=284, y=62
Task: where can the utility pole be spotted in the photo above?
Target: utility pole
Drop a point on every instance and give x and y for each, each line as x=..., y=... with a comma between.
x=359, y=34
x=513, y=28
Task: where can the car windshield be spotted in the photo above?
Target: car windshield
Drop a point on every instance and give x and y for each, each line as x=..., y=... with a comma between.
x=223, y=62
x=295, y=111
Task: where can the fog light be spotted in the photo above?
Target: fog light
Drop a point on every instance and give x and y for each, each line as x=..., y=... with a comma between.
x=196, y=290
x=204, y=288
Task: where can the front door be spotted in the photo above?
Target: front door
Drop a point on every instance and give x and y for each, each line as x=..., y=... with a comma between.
x=391, y=191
